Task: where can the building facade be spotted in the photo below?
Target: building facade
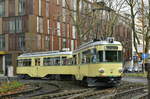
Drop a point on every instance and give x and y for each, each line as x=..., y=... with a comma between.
x=32, y=26
x=47, y=25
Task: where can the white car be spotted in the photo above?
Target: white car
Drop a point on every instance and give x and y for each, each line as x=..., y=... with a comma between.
x=130, y=69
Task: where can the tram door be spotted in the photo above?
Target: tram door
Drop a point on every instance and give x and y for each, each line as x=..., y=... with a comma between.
x=37, y=64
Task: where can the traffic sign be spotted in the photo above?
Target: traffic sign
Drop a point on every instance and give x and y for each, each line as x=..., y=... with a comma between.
x=144, y=56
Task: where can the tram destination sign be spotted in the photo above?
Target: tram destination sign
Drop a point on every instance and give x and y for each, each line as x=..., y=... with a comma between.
x=111, y=47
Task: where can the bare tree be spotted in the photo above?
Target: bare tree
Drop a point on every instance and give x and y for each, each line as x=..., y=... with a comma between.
x=143, y=19
x=132, y=5
x=97, y=19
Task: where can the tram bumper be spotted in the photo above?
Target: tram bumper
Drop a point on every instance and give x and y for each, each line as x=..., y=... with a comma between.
x=103, y=81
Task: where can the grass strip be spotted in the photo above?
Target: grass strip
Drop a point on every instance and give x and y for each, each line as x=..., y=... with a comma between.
x=9, y=86
x=136, y=74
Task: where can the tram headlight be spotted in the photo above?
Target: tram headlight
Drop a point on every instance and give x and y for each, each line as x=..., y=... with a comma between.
x=120, y=70
x=101, y=70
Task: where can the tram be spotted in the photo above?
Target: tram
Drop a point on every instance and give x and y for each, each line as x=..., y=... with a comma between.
x=96, y=63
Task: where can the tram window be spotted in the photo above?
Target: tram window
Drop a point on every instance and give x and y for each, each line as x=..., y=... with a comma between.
x=94, y=55
x=37, y=62
x=64, y=60
x=20, y=62
x=119, y=56
x=94, y=59
x=111, y=56
x=100, y=56
x=24, y=62
x=74, y=60
x=56, y=60
x=86, y=57
x=50, y=61
x=69, y=61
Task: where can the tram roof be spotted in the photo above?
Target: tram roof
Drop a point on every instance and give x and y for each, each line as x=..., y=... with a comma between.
x=90, y=44
x=48, y=53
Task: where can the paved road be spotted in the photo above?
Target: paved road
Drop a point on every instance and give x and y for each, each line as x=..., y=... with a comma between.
x=135, y=79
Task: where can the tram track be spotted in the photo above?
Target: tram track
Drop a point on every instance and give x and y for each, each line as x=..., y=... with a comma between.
x=36, y=90
x=64, y=95
x=127, y=94
x=92, y=93
x=57, y=90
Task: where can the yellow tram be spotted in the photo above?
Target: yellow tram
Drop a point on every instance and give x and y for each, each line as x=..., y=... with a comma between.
x=96, y=63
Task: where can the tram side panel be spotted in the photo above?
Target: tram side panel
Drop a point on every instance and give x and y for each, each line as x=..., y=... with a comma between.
x=60, y=70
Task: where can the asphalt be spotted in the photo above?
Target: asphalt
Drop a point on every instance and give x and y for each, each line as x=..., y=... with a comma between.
x=129, y=79
x=135, y=79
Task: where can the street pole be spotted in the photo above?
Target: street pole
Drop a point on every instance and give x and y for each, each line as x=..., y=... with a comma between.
x=147, y=64
x=148, y=74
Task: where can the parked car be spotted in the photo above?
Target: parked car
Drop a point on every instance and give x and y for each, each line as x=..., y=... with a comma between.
x=128, y=69
x=137, y=69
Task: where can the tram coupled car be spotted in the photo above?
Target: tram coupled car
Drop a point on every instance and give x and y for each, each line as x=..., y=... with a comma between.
x=46, y=64
x=94, y=64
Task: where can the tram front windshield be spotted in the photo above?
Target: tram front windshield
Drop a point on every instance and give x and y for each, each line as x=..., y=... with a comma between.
x=110, y=56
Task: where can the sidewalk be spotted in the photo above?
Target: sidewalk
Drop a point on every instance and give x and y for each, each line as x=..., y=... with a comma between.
x=6, y=78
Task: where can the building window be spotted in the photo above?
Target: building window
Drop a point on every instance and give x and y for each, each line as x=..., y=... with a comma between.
x=73, y=32
x=40, y=7
x=2, y=8
x=59, y=43
x=21, y=41
x=64, y=43
x=47, y=42
x=39, y=24
x=68, y=28
x=58, y=28
x=2, y=42
x=21, y=7
x=63, y=30
x=11, y=7
x=31, y=7
x=47, y=8
x=48, y=26
x=58, y=2
x=63, y=3
x=72, y=45
x=39, y=41
x=18, y=25
x=12, y=26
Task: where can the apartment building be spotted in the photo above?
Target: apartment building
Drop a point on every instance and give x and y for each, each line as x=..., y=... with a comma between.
x=47, y=25
x=34, y=25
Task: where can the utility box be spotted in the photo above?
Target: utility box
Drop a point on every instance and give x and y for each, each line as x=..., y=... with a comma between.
x=10, y=71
